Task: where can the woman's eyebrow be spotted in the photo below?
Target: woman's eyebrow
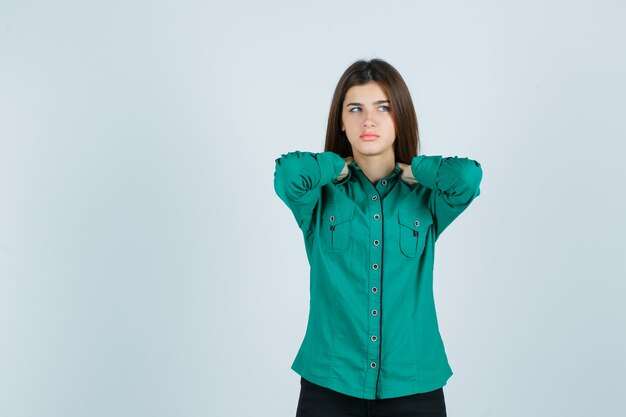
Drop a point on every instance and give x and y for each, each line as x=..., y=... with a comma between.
x=374, y=103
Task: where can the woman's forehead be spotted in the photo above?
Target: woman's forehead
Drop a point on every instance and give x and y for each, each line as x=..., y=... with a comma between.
x=369, y=92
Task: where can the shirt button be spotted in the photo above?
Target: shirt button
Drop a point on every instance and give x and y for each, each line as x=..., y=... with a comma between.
x=376, y=242
x=374, y=338
x=332, y=218
x=373, y=364
x=374, y=312
x=416, y=222
x=375, y=266
x=374, y=290
x=376, y=216
x=384, y=182
x=374, y=197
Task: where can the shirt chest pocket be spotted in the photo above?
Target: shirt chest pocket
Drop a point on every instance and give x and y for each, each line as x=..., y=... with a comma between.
x=336, y=228
x=414, y=225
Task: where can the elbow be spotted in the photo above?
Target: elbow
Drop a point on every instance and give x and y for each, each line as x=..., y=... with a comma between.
x=290, y=183
x=461, y=184
x=472, y=176
x=282, y=177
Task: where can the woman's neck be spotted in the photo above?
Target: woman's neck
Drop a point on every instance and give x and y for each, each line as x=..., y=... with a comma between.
x=376, y=167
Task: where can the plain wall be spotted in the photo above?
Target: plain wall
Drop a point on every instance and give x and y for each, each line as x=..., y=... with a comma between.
x=147, y=267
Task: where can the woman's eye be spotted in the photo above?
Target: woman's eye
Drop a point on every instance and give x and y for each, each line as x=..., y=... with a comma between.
x=385, y=108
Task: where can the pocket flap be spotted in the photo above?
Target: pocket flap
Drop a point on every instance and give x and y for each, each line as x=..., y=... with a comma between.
x=417, y=220
x=338, y=213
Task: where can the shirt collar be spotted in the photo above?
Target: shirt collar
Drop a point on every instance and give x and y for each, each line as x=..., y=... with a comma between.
x=394, y=173
x=382, y=186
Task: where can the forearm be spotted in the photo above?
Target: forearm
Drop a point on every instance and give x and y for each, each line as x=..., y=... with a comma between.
x=458, y=179
x=297, y=173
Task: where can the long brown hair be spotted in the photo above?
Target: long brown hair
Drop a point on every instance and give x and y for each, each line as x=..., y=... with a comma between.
x=406, y=144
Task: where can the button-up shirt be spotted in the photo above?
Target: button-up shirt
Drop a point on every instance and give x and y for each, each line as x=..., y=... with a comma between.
x=372, y=330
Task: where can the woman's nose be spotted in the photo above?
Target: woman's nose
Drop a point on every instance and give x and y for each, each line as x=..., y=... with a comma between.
x=369, y=119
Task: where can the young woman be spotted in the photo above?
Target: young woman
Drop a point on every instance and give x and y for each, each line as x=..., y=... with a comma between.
x=370, y=210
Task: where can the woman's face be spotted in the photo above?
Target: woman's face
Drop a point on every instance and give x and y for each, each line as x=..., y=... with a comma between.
x=366, y=109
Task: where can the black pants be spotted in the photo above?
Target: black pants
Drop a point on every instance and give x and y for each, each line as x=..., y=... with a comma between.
x=318, y=401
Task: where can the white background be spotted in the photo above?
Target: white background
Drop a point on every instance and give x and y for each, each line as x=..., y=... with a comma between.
x=147, y=267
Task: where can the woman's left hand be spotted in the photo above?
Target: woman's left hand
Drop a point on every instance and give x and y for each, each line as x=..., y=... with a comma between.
x=407, y=174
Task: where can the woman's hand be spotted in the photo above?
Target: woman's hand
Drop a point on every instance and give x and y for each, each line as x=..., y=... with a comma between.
x=344, y=172
x=407, y=174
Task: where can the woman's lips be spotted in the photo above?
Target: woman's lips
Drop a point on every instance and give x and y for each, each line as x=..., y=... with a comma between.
x=369, y=136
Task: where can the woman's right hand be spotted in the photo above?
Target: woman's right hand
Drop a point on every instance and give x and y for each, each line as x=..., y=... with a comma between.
x=344, y=172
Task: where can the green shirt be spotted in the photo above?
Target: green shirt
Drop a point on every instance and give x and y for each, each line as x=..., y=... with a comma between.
x=372, y=330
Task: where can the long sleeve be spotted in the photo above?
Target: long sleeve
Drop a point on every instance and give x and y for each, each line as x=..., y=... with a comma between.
x=455, y=183
x=299, y=177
